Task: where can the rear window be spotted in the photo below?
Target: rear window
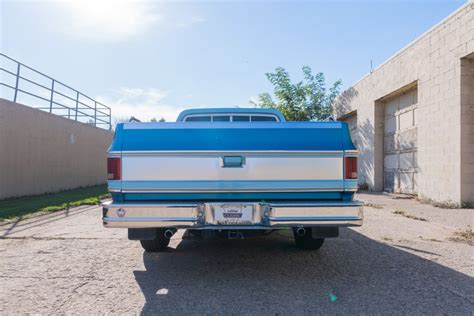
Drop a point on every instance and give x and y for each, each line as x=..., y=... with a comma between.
x=221, y=118
x=241, y=118
x=198, y=119
x=229, y=118
x=260, y=118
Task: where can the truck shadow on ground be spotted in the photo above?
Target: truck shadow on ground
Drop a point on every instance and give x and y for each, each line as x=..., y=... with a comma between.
x=351, y=274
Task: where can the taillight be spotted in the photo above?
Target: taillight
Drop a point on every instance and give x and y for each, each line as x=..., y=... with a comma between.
x=113, y=168
x=350, y=166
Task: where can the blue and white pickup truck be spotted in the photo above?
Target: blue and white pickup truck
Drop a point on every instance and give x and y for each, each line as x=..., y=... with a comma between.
x=232, y=172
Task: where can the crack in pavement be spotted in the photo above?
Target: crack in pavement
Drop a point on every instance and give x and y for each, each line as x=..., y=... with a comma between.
x=51, y=278
x=417, y=250
x=454, y=292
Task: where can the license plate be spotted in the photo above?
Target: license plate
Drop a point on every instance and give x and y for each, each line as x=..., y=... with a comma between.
x=233, y=214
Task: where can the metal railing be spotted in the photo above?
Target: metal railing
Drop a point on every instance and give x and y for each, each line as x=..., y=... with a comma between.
x=54, y=96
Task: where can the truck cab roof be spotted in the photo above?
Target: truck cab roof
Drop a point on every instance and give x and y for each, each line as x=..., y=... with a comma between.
x=231, y=115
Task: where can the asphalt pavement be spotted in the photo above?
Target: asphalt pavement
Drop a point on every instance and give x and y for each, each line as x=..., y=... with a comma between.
x=67, y=262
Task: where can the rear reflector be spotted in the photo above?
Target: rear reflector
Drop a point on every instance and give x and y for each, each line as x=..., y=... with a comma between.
x=350, y=165
x=113, y=169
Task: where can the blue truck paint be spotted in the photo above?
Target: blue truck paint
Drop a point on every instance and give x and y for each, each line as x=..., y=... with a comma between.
x=121, y=197
x=278, y=136
x=239, y=196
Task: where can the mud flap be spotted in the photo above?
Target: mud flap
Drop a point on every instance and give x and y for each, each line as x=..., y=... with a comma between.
x=325, y=232
x=142, y=233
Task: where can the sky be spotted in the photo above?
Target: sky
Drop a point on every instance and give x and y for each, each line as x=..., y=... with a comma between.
x=155, y=58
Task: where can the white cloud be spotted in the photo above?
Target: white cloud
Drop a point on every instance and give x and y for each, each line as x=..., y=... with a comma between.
x=109, y=20
x=143, y=104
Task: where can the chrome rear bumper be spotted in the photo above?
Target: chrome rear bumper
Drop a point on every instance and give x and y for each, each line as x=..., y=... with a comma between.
x=201, y=215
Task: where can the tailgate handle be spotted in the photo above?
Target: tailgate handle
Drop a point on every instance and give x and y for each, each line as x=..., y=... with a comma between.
x=233, y=162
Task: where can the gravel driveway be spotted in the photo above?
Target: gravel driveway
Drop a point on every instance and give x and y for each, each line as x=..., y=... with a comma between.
x=408, y=258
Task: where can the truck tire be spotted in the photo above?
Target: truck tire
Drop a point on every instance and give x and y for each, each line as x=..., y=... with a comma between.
x=160, y=243
x=306, y=241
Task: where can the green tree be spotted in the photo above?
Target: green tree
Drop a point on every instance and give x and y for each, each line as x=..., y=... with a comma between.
x=307, y=100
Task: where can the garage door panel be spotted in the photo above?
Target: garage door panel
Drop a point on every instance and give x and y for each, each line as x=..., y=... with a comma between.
x=406, y=120
x=391, y=107
x=408, y=139
x=389, y=181
x=406, y=182
x=406, y=100
x=390, y=124
x=390, y=143
x=391, y=161
x=407, y=161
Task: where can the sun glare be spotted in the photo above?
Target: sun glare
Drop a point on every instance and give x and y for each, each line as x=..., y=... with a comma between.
x=108, y=19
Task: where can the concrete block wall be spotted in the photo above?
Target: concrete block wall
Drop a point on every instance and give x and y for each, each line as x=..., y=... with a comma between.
x=42, y=152
x=432, y=63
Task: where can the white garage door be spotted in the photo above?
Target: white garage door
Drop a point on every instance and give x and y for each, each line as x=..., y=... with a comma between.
x=400, y=143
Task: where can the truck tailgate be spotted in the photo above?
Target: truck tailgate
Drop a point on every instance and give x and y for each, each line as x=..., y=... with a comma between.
x=222, y=158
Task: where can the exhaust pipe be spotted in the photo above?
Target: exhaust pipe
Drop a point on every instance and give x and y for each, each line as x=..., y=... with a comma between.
x=301, y=231
x=169, y=233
